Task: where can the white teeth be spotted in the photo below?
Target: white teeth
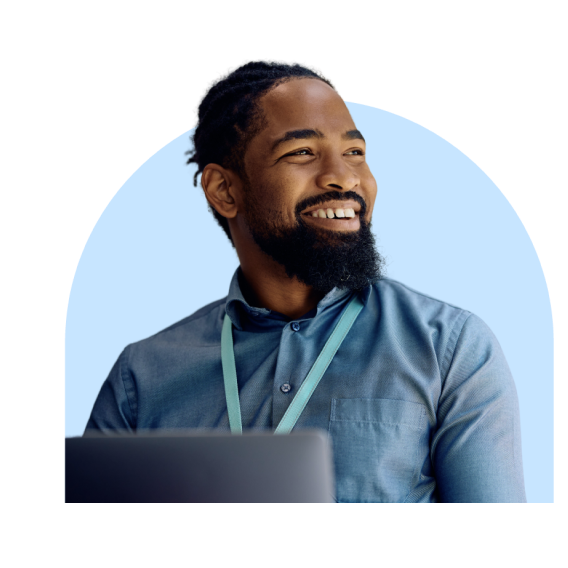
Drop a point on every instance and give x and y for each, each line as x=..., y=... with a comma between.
x=329, y=213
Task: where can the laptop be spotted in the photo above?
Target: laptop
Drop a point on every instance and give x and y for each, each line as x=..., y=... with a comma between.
x=199, y=467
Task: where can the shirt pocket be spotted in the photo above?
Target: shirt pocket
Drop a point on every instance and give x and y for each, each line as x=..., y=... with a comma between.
x=375, y=446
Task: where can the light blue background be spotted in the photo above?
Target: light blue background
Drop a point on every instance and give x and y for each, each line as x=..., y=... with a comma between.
x=156, y=255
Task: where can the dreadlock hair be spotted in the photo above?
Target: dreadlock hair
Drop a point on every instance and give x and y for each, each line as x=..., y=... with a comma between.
x=230, y=116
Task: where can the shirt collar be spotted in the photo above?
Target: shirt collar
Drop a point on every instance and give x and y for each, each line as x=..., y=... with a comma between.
x=236, y=306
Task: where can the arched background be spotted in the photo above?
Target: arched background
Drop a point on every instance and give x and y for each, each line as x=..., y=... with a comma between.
x=156, y=255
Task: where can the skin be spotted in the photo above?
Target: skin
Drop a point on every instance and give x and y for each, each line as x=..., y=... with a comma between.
x=284, y=172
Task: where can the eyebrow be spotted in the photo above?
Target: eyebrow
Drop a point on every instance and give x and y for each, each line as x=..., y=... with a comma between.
x=308, y=133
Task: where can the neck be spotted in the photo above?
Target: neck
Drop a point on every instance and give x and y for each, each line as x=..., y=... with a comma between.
x=275, y=291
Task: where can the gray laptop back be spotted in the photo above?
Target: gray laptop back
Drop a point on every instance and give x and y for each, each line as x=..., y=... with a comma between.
x=199, y=467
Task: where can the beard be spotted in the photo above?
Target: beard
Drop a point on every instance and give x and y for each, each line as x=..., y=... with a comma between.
x=320, y=258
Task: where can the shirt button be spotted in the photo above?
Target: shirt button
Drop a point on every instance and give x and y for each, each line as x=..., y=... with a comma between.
x=296, y=326
x=286, y=388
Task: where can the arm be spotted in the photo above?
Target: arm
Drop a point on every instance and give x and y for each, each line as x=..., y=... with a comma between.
x=476, y=450
x=115, y=406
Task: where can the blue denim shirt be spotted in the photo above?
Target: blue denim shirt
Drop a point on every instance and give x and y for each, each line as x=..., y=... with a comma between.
x=419, y=401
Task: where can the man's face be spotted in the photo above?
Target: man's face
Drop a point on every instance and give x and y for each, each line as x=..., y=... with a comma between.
x=309, y=195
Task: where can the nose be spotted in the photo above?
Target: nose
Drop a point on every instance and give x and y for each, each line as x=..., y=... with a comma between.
x=336, y=174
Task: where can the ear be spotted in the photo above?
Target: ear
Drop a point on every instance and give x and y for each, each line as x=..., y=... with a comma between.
x=220, y=186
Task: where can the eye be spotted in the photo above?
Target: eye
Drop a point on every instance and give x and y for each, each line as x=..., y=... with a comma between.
x=307, y=152
x=356, y=152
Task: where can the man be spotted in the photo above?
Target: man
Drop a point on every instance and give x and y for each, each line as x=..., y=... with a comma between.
x=416, y=394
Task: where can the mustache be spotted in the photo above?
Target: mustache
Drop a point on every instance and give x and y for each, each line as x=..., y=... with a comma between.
x=332, y=196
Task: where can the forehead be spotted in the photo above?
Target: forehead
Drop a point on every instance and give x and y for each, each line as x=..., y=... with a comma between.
x=304, y=103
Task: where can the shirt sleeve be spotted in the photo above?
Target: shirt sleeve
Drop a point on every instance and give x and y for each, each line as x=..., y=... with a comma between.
x=114, y=408
x=476, y=450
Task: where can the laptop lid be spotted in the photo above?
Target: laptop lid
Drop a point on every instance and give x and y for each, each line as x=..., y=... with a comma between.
x=199, y=467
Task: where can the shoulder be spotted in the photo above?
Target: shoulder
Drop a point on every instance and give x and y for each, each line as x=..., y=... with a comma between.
x=423, y=324
x=464, y=342
x=200, y=330
x=398, y=301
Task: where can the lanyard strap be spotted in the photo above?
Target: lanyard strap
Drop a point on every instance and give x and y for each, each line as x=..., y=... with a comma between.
x=308, y=386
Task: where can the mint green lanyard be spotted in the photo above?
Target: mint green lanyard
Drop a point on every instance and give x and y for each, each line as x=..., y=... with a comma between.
x=308, y=386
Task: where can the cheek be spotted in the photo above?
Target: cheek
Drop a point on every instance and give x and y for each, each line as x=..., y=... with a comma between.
x=280, y=195
x=370, y=186
x=265, y=203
